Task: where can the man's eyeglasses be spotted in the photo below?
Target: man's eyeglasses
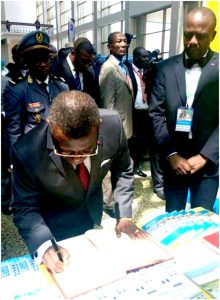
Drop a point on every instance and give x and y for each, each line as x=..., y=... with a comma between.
x=199, y=35
x=76, y=155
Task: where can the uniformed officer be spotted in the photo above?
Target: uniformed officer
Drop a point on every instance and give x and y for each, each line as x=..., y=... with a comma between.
x=16, y=71
x=27, y=103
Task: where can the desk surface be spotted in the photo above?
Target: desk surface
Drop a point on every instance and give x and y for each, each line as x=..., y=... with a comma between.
x=167, y=280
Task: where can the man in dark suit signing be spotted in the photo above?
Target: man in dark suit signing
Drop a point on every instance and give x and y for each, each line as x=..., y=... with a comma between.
x=58, y=176
x=187, y=85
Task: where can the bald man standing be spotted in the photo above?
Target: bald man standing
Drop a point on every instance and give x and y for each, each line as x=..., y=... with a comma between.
x=185, y=113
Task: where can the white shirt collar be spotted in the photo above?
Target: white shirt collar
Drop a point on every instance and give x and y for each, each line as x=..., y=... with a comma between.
x=45, y=81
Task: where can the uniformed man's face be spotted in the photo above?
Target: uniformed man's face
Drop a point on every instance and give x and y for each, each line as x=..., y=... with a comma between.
x=38, y=62
x=118, y=46
x=198, y=34
x=69, y=147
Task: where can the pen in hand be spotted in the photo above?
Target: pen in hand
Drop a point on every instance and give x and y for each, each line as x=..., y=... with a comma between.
x=56, y=248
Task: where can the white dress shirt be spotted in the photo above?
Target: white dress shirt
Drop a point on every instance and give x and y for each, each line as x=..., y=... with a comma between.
x=139, y=103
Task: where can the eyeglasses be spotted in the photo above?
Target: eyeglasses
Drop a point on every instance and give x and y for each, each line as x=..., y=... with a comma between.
x=199, y=35
x=76, y=155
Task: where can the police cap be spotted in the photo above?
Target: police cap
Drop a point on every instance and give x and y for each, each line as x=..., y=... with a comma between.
x=34, y=40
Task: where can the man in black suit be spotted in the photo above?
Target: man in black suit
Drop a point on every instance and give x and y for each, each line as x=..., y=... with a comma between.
x=49, y=198
x=188, y=85
x=77, y=69
x=138, y=144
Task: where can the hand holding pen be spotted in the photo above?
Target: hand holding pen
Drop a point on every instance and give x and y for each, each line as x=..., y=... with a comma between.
x=56, y=257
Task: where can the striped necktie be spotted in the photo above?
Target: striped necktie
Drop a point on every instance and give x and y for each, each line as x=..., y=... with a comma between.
x=77, y=82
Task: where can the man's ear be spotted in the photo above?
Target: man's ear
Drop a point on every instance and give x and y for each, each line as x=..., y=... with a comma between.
x=47, y=120
x=213, y=35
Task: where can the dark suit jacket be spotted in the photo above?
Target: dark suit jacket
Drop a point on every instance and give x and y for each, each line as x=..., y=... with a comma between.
x=90, y=81
x=169, y=93
x=47, y=191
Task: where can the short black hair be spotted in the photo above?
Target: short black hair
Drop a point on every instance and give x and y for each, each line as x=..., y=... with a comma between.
x=75, y=113
x=85, y=46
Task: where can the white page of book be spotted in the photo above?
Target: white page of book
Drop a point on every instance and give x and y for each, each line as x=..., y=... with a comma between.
x=88, y=269
x=132, y=254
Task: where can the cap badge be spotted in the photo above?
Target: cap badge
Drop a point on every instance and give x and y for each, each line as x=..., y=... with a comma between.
x=39, y=37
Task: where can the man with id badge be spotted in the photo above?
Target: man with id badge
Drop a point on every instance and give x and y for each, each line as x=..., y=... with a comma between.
x=184, y=111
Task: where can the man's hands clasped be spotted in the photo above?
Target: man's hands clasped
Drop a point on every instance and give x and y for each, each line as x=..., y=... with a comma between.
x=183, y=166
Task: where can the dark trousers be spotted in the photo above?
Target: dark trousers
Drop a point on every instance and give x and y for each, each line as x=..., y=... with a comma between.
x=139, y=143
x=6, y=183
x=203, y=190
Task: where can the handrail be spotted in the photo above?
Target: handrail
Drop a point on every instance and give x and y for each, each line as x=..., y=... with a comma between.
x=27, y=24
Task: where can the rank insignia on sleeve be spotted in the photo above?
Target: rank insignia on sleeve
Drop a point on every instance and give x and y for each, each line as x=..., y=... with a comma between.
x=34, y=104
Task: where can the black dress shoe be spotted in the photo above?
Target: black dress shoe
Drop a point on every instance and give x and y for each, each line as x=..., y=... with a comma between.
x=160, y=194
x=139, y=173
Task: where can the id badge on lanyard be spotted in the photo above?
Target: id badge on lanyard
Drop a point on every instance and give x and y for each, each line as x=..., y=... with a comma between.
x=184, y=119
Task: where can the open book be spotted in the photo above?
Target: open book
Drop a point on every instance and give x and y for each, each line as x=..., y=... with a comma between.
x=98, y=257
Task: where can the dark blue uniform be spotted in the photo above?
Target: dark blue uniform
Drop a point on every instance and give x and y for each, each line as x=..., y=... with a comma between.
x=27, y=104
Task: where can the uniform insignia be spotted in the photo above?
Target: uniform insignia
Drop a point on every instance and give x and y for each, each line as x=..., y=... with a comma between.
x=34, y=104
x=39, y=37
x=30, y=79
x=38, y=118
x=58, y=78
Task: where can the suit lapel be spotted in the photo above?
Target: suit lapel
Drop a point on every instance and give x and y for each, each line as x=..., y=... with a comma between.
x=207, y=72
x=179, y=71
x=55, y=158
x=126, y=79
x=96, y=164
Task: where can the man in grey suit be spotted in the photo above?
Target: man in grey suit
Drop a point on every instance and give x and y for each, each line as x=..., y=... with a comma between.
x=116, y=93
x=115, y=83
x=184, y=108
x=51, y=199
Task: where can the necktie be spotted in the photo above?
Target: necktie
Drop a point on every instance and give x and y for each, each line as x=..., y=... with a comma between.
x=83, y=174
x=190, y=62
x=77, y=82
x=45, y=86
x=139, y=73
x=122, y=66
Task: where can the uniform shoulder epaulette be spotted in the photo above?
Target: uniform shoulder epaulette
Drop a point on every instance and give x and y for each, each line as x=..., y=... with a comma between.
x=58, y=78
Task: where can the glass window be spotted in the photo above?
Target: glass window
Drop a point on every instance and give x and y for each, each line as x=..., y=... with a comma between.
x=157, y=31
x=65, y=5
x=39, y=11
x=88, y=34
x=115, y=27
x=106, y=30
x=65, y=14
x=85, y=12
x=51, y=15
x=63, y=42
x=111, y=7
x=153, y=41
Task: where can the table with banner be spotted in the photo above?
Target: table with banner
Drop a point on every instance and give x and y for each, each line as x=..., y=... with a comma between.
x=191, y=272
